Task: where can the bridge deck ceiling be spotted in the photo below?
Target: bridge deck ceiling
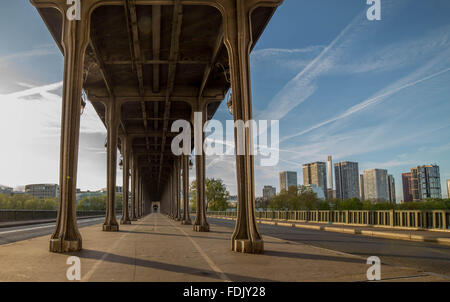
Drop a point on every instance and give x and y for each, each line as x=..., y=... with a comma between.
x=137, y=57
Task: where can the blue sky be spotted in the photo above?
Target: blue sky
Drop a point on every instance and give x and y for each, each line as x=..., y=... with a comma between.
x=373, y=92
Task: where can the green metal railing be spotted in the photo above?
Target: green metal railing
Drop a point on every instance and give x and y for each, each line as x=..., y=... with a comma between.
x=437, y=219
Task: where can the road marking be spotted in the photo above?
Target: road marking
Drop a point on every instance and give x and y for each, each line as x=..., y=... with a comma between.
x=208, y=260
x=43, y=227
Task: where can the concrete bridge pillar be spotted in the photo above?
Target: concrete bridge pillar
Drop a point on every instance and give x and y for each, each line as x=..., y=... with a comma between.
x=139, y=195
x=112, y=122
x=133, y=189
x=177, y=189
x=238, y=40
x=168, y=194
x=75, y=38
x=201, y=224
x=126, y=144
x=186, y=219
x=172, y=192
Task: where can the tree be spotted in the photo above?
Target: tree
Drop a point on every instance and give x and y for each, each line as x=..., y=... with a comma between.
x=94, y=203
x=217, y=195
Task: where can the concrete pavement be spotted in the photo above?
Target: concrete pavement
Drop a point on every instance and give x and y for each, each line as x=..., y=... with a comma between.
x=159, y=249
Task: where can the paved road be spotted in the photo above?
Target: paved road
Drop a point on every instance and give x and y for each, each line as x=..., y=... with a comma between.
x=429, y=257
x=14, y=234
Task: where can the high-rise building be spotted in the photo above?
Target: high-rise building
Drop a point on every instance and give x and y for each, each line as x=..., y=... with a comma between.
x=346, y=180
x=315, y=189
x=316, y=174
x=361, y=187
x=269, y=192
x=6, y=190
x=425, y=182
x=330, y=172
x=406, y=183
x=331, y=192
x=288, y=179
x=42, y=191
x=391, y=187
x=376, y=186
x=448, y=188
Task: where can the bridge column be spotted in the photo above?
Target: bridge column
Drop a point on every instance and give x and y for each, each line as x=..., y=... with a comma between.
x=112, y=122
x=177, y=188
x=238, y=40
x=200, y=224
x=139, y=195
x=126, y=144
x=133, y=189
x=186, y=219
x=173, y=192
x=169, y=194
x=75, y=38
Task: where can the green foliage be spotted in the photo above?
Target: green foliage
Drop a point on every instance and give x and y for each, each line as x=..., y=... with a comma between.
x=26, y=202
x=296, y=199
x=217, y=195
x=94, y=203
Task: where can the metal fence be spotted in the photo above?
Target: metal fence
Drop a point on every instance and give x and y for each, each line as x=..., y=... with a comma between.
x=21, y=215
x=437, y=219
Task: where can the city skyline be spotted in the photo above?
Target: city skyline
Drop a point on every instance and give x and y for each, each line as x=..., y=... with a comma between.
x=310, y=89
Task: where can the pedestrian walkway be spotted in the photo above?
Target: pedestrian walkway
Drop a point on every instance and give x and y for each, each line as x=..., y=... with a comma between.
x=159, y=249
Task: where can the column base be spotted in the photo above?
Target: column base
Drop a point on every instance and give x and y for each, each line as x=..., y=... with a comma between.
x=133, y=219
x=186, y=222
x=110, y=228
x=201, y=228
x=247, y=246
x=125, y=221
x=65, y=246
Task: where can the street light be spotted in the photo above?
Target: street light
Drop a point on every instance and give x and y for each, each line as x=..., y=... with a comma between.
x=83, y=101
x=230, y=103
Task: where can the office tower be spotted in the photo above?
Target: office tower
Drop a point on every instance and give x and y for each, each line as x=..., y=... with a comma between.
x=376, y=185
x=391, y=187
x=448, y=188
x=6, y=190
x=406, y=183
x=287, y=180
x=42, y=191
x=269, y=192
x=331, y=192
x=316, y=174
x=425, y=182
x=330, y=172
x=315, y=189
x=346, y=180
x=361, y=187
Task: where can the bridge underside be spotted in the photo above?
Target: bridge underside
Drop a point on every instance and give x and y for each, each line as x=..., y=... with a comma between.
x=144, y=64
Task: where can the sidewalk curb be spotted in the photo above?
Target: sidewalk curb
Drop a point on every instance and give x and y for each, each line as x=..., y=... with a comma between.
x=387, y=235
x=30, y=222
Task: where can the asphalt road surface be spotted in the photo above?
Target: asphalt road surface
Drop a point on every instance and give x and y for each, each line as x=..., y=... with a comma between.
x=428, y=257
x=19, y=233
